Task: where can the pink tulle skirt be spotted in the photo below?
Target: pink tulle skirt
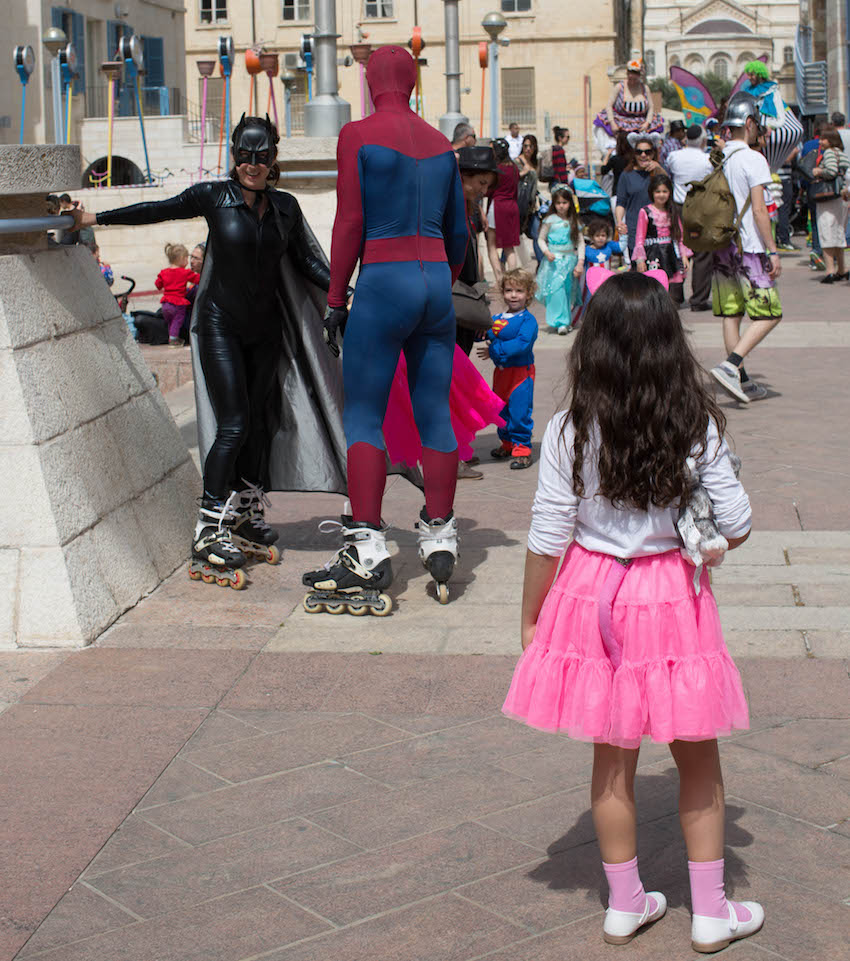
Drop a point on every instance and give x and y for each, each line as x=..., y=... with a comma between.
x=676, y=680
x=472, y=404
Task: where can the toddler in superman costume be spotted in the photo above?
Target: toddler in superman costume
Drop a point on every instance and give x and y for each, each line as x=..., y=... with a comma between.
x=401, y=212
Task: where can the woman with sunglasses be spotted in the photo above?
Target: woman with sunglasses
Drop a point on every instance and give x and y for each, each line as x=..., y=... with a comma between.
x=257, y=317
x=633, y=188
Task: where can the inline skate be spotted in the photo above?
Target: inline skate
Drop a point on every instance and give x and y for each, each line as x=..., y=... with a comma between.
x=250, y=532
x=215, y=558
x=438, y=550
x=353, y=579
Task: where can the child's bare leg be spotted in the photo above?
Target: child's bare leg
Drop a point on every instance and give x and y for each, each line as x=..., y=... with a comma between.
x=731, y=332
x=612, y=802
x=702, y=811
x=493, y=254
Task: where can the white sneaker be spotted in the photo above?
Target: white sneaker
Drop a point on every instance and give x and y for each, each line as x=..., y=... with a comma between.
x=754, y=391
x=714, y=934
x=729, y=378
x=621, y=926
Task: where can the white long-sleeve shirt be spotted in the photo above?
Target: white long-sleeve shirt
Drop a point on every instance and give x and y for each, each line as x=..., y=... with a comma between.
x=558, y=513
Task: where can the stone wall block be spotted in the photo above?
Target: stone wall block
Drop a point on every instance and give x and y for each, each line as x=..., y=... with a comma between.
x=126, y=359
x=166, y=515
x=39, y=168
x=118, y=553
x=15, y=427
x=85, y=475
x=95, y=604
x=9, y=562
x=27, y=517
x=47, y=607
x=22, y=318
x=66, y=279
x=147, y=437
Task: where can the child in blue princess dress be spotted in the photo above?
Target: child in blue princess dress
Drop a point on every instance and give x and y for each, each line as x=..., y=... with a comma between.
x=559, y=274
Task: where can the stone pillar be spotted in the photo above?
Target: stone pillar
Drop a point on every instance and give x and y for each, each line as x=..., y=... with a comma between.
x=99, y=489
x=327, y=113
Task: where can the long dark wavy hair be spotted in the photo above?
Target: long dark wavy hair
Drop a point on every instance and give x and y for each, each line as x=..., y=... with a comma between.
x=562, y=190
x=634, y=378
x=662, y=180
x=530, y=138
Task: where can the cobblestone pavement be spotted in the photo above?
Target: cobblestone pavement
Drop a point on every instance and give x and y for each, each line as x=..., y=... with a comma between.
x=226, y=778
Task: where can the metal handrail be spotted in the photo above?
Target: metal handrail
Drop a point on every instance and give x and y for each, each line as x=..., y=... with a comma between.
x=31, y=225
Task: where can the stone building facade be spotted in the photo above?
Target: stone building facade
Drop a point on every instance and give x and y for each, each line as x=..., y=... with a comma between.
x=94, y=27
x=542, y=69
x=720, y=36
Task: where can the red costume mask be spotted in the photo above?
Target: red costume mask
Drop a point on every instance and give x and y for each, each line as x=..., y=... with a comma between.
x=391, y=75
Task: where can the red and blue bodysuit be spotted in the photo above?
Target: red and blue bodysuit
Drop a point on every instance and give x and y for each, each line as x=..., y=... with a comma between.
x=401, y=212
x=512, y=351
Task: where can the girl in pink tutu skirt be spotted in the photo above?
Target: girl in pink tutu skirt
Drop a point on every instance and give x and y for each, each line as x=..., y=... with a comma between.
x=622, y=645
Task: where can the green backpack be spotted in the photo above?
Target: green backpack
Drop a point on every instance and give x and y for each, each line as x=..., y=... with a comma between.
x=710, y=219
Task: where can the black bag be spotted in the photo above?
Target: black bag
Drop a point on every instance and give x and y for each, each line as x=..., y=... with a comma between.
x=471, y=308
x=825, y=189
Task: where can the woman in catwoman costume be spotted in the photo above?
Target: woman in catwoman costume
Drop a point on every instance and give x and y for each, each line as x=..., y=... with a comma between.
x=256, y=328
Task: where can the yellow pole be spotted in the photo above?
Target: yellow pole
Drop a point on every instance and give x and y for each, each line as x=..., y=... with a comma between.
x=68, y=97
x=109, y=135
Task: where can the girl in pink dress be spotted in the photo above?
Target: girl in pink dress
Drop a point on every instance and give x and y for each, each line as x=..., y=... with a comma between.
x=620, y=645
x=658, y=238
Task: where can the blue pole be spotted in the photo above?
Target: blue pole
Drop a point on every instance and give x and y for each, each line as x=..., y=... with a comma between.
x=23, y=110
x=142, y=125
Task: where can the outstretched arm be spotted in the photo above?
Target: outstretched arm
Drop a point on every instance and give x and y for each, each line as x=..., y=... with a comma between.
x=347, y=241
x=191, y=203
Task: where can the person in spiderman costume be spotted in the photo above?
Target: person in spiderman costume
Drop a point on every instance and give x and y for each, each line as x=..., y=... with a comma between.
x=401, y=212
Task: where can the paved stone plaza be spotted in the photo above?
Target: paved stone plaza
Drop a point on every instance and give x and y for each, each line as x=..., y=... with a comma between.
x=223, y=777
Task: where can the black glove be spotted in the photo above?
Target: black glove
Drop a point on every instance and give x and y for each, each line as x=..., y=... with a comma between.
x=334, y=322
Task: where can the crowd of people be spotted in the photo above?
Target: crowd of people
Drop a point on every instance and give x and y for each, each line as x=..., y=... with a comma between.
x=624, y=642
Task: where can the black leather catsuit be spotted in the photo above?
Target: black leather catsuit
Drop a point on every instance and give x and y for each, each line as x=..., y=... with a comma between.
x=237, y=316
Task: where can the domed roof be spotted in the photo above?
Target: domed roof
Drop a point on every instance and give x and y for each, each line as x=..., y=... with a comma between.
x=719, y=26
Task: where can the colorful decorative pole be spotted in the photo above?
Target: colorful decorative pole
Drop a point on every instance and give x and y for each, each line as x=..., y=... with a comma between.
x=132, y=53
x=416, y=45
x=270, y=63
x=221, y=125
x=68, y=70
x=24, y=59
x=112, y=68
x=252, y=65
x=225, y=56
x=483, y=58
x=55, y=40
x=289, y=79
x=205, y=69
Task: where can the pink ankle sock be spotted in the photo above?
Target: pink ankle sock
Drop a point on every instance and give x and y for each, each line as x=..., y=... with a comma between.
x=625, y=890
x=708, y=893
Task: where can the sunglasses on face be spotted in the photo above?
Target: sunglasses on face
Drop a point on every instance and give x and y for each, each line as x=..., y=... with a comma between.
x=644, y=153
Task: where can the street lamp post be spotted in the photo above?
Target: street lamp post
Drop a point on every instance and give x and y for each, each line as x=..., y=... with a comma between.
x=452, y=117
x=55, y=40
x=290, y=80
x=494, y=23
x=327, y=112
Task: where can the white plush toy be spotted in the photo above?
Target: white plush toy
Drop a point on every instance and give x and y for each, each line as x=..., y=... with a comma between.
x=703, y=544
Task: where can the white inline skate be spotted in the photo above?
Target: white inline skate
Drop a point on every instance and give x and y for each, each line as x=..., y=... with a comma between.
x=215, y=558
x=250, y=532
x=438, y=550
x=353, y=579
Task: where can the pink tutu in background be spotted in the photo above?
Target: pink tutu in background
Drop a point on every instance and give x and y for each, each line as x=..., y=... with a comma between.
x=473, y=406
x=676, y=680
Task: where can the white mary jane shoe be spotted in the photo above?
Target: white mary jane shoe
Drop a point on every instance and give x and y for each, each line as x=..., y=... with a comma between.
x=621, y=926
x=714, y=934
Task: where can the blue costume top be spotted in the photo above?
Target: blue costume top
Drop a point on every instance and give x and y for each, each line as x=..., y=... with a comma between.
x=512, y=339
x=601, y=255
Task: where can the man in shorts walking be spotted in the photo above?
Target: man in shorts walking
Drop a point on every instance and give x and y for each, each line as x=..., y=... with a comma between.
x=743, y=281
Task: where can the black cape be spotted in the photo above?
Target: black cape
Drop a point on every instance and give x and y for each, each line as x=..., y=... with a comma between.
x=307, y=449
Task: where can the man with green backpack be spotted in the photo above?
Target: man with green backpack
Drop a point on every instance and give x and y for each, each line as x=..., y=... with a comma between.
x=726, y=213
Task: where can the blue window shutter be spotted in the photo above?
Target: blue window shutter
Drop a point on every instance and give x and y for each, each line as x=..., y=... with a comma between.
x=154, y=62
x=56, y=17
x=78, y=30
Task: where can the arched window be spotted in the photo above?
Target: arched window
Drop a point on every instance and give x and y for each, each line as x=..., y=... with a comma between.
x=674, y=61
x=694, y=63
x=720, y=66
x=649, y=59
x=745, y=58
x=787, y=54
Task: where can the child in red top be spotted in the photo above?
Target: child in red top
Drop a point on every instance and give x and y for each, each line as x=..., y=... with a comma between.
x=172, y=281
